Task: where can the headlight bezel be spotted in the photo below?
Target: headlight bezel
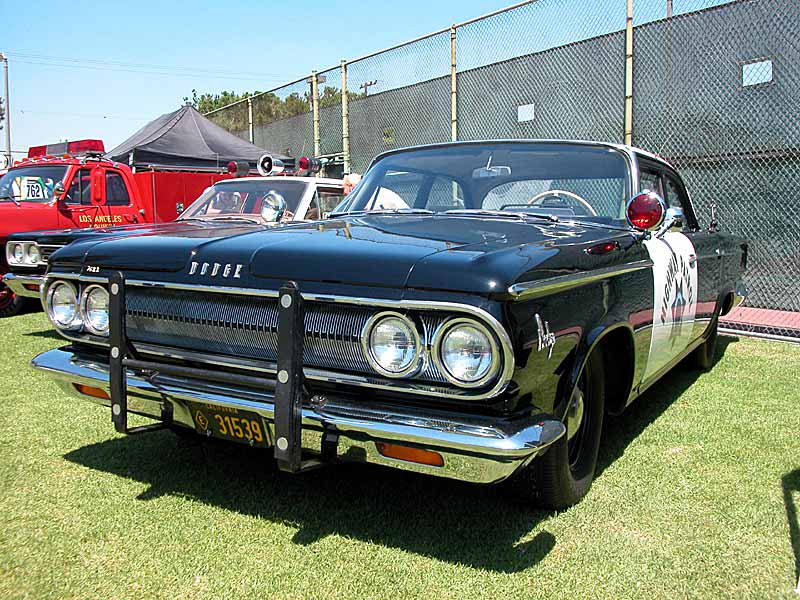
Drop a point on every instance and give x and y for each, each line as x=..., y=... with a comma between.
x=77, y=321
x=24, y=247
x=441, y=334
x=414, y=366
x=84, y=311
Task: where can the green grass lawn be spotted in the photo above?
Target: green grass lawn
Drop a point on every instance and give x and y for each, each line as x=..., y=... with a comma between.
x=698, y=496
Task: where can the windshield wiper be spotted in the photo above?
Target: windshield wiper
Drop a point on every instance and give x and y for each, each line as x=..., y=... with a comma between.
x=232, y=218
x=468, y=212
x=12, y=198
x=384, y=211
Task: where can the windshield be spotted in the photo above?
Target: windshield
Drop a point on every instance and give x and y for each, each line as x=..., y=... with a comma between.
x=245, y=198
x=31, y=184
x=555, y=179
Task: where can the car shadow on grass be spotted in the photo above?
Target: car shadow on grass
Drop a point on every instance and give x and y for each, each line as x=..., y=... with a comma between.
x=620, y=431
x=50, y=334
x=448, y=520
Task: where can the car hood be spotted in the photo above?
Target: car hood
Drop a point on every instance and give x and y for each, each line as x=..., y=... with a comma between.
x=66, y=236
x=480, y=255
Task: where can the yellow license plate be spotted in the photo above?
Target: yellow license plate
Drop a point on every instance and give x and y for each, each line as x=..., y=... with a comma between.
x=232, y=424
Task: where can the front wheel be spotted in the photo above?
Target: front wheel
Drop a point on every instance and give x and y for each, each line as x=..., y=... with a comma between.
x=564, y=474
x=10, y=303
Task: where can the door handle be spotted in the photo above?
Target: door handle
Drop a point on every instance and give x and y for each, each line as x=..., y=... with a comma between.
x=692, y=260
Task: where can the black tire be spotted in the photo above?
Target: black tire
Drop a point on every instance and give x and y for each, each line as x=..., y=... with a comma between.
x=10, y=303
x=705, y=355
x=564, y=474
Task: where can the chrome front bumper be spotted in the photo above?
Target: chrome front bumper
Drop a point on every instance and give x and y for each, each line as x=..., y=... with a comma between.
x=474, y=448
x=17, y=284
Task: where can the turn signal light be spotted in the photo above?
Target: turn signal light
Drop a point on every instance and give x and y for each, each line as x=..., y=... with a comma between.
x=414, y=455
x=92, y=391
x=602, y=248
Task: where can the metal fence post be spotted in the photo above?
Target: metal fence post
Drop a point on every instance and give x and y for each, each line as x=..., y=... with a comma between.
x=345, y=120
x=453, y=87
x=315, y=110
x=250, y=120
x=629, y=74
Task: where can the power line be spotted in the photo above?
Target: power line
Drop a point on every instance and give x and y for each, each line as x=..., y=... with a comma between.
x=24, y=111
x=145, y=68
x=143, y=72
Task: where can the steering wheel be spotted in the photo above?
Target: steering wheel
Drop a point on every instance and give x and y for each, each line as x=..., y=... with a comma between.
x=538, y=199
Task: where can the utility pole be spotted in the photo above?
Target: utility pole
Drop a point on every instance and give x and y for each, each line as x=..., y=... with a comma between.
x=4, y=58
x=367, y=84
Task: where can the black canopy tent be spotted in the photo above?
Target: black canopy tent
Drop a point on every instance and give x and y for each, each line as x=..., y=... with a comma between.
x=186, y=139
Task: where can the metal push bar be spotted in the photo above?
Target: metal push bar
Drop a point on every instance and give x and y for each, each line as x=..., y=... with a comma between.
x=288, y=388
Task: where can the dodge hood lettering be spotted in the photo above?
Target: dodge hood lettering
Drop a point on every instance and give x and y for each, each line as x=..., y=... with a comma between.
x=436, y=252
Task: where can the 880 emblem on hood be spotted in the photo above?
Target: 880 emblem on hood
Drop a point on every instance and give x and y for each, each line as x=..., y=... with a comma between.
x=233, y=271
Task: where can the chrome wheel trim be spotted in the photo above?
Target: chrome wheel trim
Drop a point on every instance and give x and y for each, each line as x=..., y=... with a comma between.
x=575, y=414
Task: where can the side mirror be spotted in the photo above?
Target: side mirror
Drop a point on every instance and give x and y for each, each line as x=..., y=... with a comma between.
x=58, y=191
x=274, y=207
x=98, y=187
x=674, y=218
x=646, y=211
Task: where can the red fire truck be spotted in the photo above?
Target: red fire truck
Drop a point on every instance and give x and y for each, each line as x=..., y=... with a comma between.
x=71, y=185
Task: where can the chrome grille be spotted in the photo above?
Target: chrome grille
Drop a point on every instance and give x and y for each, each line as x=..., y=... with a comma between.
x=246, y=326
x=48, y=249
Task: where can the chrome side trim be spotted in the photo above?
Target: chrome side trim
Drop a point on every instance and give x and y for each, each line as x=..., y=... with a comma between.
x=506, y=370
x=551, y=285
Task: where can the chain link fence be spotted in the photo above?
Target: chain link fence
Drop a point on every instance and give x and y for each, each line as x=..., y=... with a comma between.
x=716, y=91
x=714, y=88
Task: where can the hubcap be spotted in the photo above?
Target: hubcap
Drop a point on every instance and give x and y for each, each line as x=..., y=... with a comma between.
x=575, y=414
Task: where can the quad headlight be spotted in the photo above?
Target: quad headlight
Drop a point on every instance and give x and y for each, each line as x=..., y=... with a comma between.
x=391, y=344
x=62, y=306
x=33, y=255
x=25, y=254
x=94, y=308
x=72, y=311
x=466, y=352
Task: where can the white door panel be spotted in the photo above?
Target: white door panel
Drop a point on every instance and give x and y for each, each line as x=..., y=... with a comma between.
x=674, y=298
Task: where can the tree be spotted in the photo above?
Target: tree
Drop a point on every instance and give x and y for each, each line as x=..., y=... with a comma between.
x=267, y=107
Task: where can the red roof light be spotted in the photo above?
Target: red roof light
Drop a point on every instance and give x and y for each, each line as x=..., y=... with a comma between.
x=86, y=146
x=35, y=151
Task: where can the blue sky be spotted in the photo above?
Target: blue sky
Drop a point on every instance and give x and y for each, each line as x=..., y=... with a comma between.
x=83, y=69
x=243, y=45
